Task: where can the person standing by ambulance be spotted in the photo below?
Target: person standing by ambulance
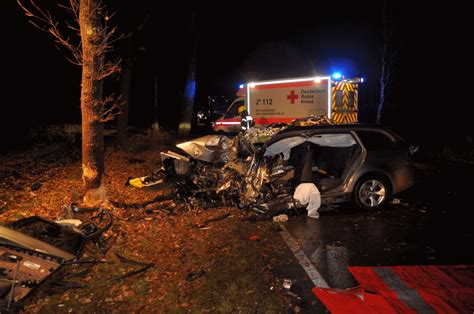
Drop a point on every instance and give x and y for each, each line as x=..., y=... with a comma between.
x=246, y=121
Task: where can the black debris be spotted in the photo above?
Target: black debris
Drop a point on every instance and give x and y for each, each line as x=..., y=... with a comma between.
x=135, y=160
x=36, y=186
x=195, y=275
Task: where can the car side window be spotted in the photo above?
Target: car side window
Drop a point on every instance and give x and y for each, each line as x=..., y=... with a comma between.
x=375, y=141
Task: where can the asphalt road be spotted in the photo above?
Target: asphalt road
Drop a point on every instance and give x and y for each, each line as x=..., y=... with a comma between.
x=431, y=225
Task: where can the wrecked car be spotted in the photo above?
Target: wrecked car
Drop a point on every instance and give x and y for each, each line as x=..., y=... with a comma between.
x=261, y=168
x=359, y=163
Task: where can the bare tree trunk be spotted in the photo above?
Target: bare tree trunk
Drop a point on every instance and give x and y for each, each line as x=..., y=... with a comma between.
x=383, y=85
x=189, y=92
x=125, y=80
x=387, y=63
x=190, y=88
x=378, y=118
x=92, y=36
x=155, y=125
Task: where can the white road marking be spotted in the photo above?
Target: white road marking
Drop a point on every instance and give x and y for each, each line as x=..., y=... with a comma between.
x=304, y=261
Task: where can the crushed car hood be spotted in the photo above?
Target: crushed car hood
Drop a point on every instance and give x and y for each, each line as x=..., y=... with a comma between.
x=210, y=148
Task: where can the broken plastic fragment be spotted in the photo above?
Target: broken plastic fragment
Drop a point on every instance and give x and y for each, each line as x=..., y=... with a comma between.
x=146, y=181
x=287, y=283
x=280, y=218
x=254, y=237
x=395, y=201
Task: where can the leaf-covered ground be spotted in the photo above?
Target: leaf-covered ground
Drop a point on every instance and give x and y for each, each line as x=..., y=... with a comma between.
x=212, y=269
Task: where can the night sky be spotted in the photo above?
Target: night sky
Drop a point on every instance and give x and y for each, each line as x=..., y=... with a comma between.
x=240, y=42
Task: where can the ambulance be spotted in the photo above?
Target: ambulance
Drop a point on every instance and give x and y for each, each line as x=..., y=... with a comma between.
x=282, y=101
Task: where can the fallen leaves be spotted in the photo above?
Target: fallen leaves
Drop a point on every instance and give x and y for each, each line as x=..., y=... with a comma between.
x=210, y=267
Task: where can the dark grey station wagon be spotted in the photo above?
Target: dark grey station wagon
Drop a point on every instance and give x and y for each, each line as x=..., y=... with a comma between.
x=360, y=163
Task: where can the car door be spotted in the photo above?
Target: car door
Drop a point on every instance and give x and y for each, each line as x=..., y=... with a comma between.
x=341, y=154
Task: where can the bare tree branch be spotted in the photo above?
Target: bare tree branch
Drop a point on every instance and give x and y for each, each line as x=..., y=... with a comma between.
x=37, y=26
x=74, y=28
x=109, y=68
x=44, y=21
x=110, y=108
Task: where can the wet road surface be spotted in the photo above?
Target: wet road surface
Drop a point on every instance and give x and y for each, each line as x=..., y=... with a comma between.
x=431, y=225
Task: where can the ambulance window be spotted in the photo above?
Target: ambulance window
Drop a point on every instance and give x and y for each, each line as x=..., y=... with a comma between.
x=351, y=99
x=232, y=112
x=339, y=98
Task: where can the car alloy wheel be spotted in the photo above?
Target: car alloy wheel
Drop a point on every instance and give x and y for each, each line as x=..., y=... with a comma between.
x=372, y=193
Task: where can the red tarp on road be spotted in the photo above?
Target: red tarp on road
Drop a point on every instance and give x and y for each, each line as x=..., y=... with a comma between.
x=404, y=289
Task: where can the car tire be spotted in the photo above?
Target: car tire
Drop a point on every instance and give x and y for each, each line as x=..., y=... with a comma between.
x=371, y=191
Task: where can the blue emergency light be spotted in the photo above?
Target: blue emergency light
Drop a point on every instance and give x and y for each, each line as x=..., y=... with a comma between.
x=337, y=75
x=241, y=86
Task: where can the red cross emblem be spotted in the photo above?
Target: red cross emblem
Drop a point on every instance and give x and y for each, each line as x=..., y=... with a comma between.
x=292, y=97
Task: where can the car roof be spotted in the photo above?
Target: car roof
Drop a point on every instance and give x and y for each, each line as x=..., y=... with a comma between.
x=294, y=130
x=338, y=126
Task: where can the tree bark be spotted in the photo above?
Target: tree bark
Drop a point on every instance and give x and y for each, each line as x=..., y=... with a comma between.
x=125, y=80
x=92, y=37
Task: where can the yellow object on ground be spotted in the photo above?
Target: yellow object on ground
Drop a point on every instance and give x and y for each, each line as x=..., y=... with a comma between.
x=146, y=181
x=136, y=182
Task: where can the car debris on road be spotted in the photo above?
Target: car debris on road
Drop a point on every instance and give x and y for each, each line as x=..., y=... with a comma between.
x=280, y=218
x=287, y=283
x=33, y=248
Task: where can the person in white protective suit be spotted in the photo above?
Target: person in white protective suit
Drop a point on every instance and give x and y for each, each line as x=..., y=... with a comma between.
x=308, y=193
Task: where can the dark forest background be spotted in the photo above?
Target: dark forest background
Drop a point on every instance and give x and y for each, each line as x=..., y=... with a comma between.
x=428, y=100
